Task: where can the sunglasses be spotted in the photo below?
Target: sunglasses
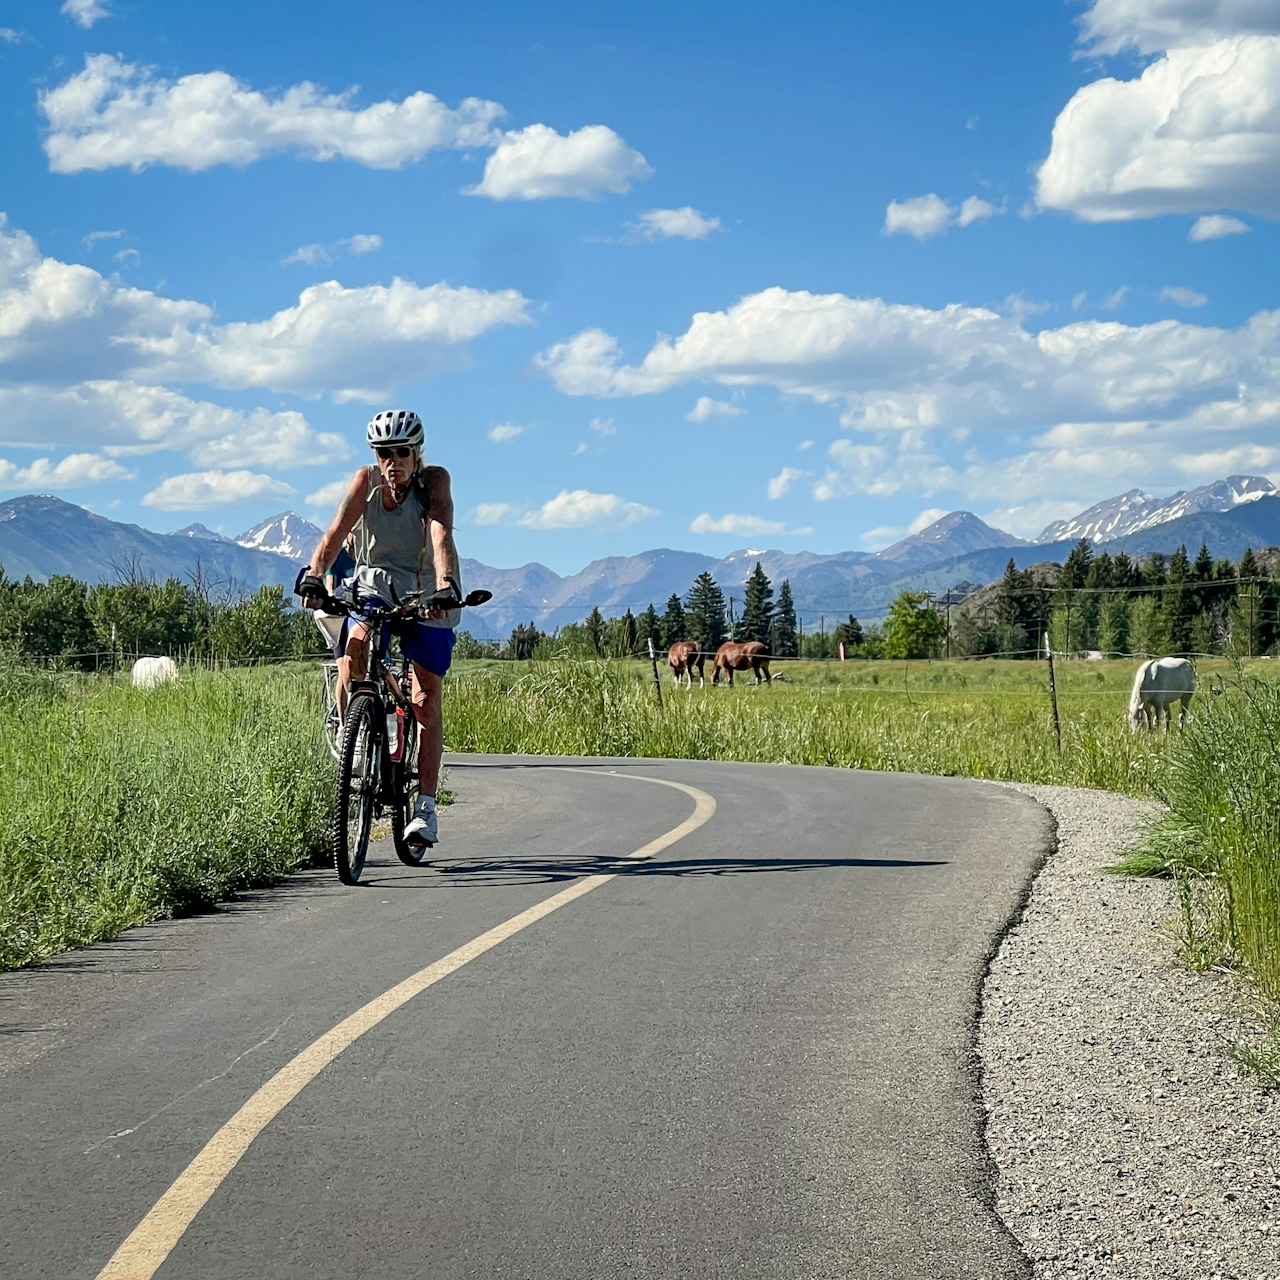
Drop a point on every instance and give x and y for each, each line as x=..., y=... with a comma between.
x=386, y=452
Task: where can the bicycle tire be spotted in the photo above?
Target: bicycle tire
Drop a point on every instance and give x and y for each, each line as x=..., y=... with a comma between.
x=410, y=854
x=358, y=767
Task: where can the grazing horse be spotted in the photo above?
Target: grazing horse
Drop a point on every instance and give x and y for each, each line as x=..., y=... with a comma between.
x=149, y=672
x=1157, y=685
x=733, y=657
x=682, y=657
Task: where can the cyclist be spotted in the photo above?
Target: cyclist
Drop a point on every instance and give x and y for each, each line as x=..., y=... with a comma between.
x=400, y=513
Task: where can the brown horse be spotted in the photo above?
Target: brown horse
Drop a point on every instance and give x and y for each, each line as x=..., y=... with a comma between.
x=733, y=657
x=682, y=657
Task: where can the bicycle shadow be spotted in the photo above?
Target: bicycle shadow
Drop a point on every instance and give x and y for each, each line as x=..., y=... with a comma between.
x=505, y=872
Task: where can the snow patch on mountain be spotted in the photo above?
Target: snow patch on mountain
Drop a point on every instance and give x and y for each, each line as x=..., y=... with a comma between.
x=287, y=534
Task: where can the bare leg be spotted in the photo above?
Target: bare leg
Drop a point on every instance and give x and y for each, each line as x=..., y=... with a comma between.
x=428, y=690
x=353, y=664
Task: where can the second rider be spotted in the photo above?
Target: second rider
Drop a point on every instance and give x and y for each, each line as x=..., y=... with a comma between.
x=400, y=511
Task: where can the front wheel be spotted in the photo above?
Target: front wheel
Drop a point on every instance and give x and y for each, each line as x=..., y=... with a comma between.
x=407, y=789
x=358, y=766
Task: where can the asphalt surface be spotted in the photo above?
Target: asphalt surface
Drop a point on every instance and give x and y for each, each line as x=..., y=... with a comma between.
x=752, y=1056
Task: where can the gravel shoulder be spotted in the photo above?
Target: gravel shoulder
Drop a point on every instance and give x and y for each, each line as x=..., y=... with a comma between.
x=1127, y=1143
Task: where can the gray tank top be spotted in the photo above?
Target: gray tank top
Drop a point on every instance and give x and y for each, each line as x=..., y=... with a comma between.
x=393, y=549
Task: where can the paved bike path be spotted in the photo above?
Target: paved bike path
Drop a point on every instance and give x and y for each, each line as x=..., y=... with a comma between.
x=748, y=1057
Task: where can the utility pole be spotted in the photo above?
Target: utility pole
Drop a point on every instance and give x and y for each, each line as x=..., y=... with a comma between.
x=657, y=684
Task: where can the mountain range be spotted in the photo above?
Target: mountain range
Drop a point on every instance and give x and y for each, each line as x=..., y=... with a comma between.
x=42, y=535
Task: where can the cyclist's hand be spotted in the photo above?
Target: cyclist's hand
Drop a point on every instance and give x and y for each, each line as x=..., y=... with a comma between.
x=446, y=598
x=312, y=590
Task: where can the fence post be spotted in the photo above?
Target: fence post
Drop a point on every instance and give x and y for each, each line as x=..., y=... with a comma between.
x=657, y=684
x=1053, y=698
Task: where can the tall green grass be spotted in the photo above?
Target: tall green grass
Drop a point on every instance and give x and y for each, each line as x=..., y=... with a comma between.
x=1220, y=839
x=121, y=805
x=868, y=718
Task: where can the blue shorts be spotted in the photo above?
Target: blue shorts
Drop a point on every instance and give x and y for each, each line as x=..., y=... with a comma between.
x=428, y=647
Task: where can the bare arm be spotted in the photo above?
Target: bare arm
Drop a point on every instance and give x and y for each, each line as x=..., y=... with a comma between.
x=443, y=551
x=350, y=509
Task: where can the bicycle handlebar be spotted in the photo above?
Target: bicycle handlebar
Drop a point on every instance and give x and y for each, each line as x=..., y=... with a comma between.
x=412, y=608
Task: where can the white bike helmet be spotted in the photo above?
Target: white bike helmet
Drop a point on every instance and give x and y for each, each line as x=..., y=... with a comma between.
x=395, y=426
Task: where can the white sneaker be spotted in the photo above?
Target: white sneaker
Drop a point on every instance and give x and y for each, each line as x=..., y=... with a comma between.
x=422, y=828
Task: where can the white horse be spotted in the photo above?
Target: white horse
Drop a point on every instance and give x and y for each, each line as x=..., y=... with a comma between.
x=1157, y=685
x=150, y=672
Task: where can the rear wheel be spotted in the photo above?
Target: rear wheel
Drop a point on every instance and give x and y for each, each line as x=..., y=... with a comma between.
x=358, y=766
x=407, y=789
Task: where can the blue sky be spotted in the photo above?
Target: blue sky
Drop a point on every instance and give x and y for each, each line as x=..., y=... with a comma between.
x=697, y=276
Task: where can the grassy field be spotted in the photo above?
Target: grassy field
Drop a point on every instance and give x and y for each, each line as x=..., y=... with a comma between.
x=120, y=806
x=989, y=719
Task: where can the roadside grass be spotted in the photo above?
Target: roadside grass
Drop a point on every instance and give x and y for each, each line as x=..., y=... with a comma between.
x=123, y=805
x=1220, y=839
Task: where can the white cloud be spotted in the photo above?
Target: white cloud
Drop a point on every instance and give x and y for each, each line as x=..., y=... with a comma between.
x=1183, y=296
x=327, y=497
x=667, y=224
x=1213, y=226
x=66, y=323
x=603, y=427
x=739, y=526
x=1078, y=300
x=881, y=536
x=537, y=163
x=84, y=13
x=312, y=254
x=930, y=515
x=576, y=509
x=927, y=216
x=707, y=408
x=129, y=417
x=781, y=484
x=115, y=114
x=10, y=36
x=205, y=490
x=579, y=448
x=71, y=472
x=805, y=444
x=504, y=431
x=1198, y=130
x=94, y=236
x=1114, y=301
x=1151, y=26
x=128, y=257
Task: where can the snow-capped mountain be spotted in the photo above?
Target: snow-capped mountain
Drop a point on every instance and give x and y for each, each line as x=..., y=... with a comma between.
x=1134, y=511
x=287, y=534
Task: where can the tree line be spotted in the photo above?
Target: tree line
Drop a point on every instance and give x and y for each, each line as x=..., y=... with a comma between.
x=1117, y=604
x=75, y=624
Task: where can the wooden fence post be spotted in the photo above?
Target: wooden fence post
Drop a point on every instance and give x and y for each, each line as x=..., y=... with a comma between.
x=1053, y=698
x=657, y=684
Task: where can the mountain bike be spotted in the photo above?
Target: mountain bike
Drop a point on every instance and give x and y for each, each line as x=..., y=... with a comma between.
x=375, y=743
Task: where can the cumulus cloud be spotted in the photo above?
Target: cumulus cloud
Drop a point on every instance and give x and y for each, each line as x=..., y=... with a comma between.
x=1213, y=226
x=603, y=427
x=504, y=431
x=1183, y=296
x=1098, y=401
x=673, y=224
x=781, y=484
x=327, y=497
x=62, y=322
x=1198, y=130
x=739, y=526
x=71, y=472
x=569, y=509
x=537, y=163
x=1151, y=26
x=84, y=13
x=707, y=408
x=116, y=114
x=928, y=216
x=205, y=490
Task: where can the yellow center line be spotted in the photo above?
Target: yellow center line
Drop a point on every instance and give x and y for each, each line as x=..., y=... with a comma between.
x=153, y=1239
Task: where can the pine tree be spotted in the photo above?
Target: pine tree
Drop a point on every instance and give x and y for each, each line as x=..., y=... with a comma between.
x=627, y=631
x=674, y=625
x=1179, y=604
x=1248, y=566
x=706, y=621
x=784, y=641
x=1202, y=570
x=595, y=630
x=757, y=608
x=848, y=633
x=649, y=627
x=1075, y=571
